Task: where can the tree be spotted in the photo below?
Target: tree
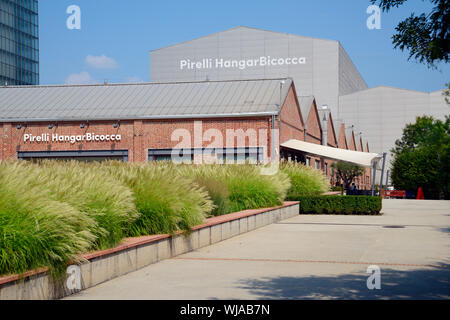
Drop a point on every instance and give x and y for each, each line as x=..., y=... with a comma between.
x=426, y=36
x=347, y=172
x=422, y=158
x=446, y=93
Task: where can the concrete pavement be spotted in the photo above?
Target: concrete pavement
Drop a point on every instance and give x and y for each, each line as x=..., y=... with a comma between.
x=309, y=257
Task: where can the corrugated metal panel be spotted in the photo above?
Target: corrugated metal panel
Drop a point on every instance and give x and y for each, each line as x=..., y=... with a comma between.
x=147, y=100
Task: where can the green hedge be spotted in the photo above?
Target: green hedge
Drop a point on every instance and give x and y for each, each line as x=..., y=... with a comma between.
x=340, y=205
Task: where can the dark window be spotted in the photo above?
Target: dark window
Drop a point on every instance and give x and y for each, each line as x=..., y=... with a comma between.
x=85, y=156
x=236, y=155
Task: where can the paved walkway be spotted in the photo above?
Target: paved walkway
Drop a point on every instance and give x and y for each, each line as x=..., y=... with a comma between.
x=309, y=257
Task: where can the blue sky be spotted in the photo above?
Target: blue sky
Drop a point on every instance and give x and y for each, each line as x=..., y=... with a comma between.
x=117, y=35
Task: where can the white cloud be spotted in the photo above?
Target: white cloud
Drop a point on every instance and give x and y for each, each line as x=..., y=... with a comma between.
x=101, y=62
x=80, y=78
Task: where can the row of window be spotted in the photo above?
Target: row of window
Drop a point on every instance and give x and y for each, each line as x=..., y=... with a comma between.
x=19, y=7
x=14, y=82
x=230, y=155
x=12, y=73
x=18, y=23
x=18, y=62
x=20, y=37
x=208, y=155
x=14, y=48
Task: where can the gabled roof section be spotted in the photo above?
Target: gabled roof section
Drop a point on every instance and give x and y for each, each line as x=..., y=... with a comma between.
x=350, y=134
x=306, y=103
x=360, y=145
x=342, y=137
x=143, y=100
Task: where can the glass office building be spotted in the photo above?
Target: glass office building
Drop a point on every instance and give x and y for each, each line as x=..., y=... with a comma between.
x=19, y=42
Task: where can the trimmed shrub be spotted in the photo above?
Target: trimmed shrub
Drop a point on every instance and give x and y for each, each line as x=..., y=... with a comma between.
x=305, y=181
x=363, y=205
x=339, y=189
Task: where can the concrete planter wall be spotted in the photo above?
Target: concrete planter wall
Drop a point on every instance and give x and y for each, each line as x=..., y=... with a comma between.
x=136, y=253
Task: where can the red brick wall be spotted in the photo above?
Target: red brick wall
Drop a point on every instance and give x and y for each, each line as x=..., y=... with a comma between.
x=342, y=140
x=137, y=136
x=13, y=139
x=360, y=145
x=331, y=136
x=292, y=126
x=313, y=129
x=352, y=142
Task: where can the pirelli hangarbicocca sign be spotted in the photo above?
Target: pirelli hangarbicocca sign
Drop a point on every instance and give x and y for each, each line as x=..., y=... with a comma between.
x=221, y=63
x=88, y=137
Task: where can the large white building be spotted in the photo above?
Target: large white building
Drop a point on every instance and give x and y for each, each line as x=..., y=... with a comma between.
x=319, y=67
x=382, y=112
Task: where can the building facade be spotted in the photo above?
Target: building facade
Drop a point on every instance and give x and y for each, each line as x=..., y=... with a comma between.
x=382, y=113
x=320, y=68
x=19, y=42
x=189, y=122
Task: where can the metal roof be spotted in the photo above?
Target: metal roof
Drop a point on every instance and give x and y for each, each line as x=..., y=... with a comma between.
x=143, y=101
x=306, y=103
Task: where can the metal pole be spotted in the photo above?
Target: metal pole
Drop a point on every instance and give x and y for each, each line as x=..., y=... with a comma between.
x=374, y=174
x=273, y=140
x=382, y=170
x=387, y=177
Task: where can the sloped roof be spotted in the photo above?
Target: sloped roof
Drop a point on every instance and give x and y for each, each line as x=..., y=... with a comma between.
x=143, y=100
x=306, y=103
x=350, y=135
x=335, y=136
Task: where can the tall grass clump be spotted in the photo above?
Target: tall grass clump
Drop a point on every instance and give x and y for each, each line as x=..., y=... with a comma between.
x=249, y=189
x=211, y=178
x=95, y=193
x=305, y=181
x=235, y=188
x=166, y=201
x=36, y=231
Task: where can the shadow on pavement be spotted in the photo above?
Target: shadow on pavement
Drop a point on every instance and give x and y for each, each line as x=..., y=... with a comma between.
x=424, y=284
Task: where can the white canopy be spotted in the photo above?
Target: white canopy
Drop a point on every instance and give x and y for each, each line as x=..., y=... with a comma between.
x=364, y=159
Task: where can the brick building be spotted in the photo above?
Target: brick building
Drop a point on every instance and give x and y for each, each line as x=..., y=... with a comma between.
x=207, y=121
